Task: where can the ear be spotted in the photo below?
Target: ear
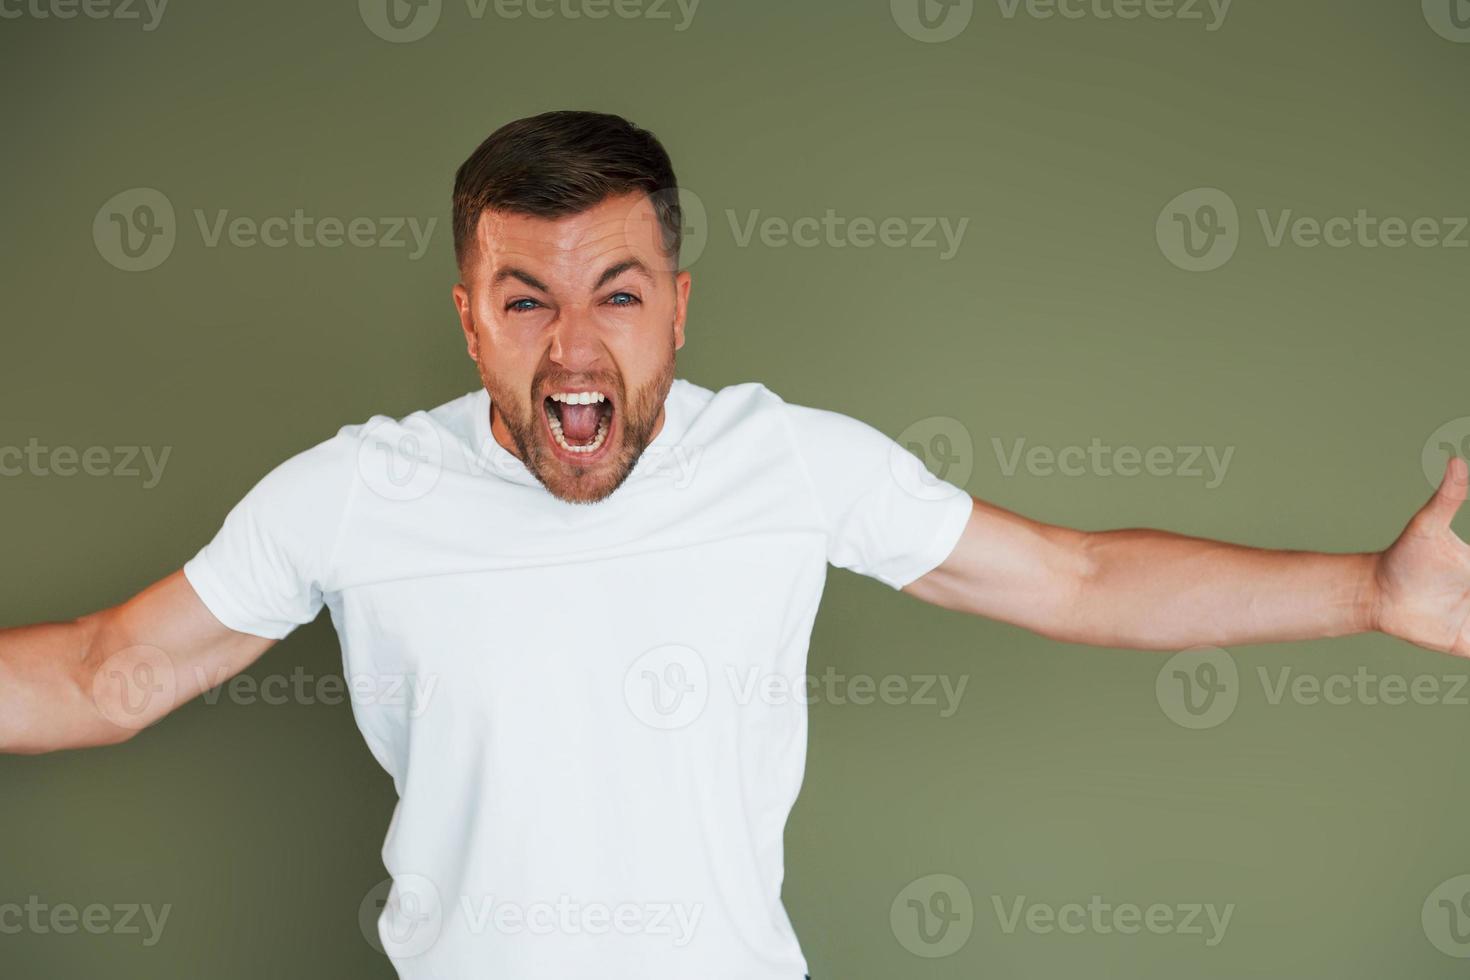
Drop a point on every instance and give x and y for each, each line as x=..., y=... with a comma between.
x=461, y=296
x=682, y=282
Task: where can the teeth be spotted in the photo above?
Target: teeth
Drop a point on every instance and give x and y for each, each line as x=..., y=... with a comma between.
x=579, y=397
x=561, y=440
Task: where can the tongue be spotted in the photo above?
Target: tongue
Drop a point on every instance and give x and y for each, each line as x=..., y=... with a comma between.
x=579, y=422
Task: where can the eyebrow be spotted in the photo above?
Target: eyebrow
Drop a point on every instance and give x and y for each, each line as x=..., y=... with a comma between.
x=608, y=275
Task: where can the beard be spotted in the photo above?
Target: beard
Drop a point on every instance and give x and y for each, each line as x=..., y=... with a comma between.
x=637, y=415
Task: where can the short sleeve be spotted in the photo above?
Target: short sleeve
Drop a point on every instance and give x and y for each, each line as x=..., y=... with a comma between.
x=886, y=515
x=266, y=570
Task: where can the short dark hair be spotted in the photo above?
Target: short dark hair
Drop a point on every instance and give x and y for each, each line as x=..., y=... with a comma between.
x=561, y=163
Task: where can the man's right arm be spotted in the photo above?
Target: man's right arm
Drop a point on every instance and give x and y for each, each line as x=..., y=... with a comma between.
x=101, y=679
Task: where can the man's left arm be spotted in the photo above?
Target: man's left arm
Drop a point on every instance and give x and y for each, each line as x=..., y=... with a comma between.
x=1153, y=590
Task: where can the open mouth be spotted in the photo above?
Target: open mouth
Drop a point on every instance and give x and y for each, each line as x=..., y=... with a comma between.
x=580, y=422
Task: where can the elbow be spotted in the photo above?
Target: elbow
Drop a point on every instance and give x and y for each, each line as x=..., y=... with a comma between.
x=1086, y=564
x=1076, y=576
x=80, y=724
x=41, y=739
x=1079, y=575
x=63, y=701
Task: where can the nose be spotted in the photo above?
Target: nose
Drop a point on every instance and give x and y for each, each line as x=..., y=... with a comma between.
x=575, y=345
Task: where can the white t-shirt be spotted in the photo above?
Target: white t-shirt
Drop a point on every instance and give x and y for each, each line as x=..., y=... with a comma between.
x=581, y=706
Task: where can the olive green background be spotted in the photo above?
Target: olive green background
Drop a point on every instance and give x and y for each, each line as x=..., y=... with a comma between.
x=1059, y=320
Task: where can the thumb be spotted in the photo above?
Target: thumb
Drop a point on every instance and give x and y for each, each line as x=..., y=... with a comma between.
x=1446, y=501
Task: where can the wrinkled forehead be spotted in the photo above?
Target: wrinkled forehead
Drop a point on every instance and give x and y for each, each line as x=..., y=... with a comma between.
x=572, y=250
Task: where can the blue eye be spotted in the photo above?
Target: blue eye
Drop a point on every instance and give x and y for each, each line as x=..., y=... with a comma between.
x=515, y=305
x=631, y=299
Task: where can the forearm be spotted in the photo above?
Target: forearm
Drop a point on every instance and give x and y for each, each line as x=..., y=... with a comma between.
x=1155, y=590
x=46, y=689
x=101, y=679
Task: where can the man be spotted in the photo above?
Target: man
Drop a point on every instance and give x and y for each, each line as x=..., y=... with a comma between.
x=580, y=568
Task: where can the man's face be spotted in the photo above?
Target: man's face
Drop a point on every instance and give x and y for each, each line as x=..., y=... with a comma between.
x=573, y=323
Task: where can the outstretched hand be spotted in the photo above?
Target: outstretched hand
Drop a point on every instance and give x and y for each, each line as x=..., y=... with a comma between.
x=1423, y=579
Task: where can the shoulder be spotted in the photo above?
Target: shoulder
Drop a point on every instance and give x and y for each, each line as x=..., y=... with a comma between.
x=401, y=450
x=753, y=409
x=448, y=425
x=745, y=403
x=388, y=454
